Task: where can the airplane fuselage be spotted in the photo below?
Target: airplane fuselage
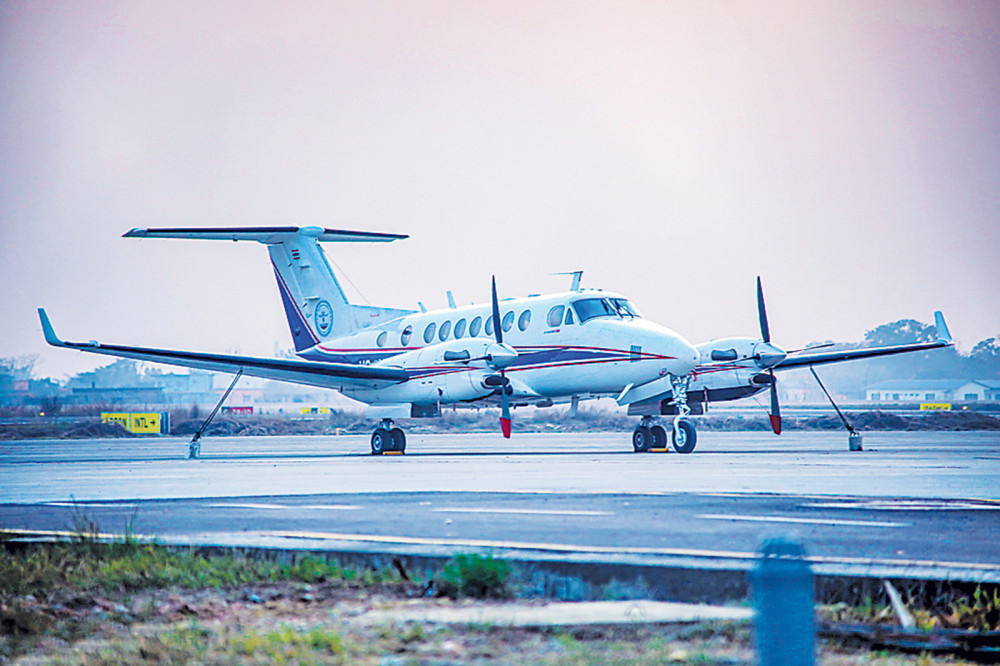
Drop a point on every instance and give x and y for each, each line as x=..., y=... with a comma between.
x=587, y=343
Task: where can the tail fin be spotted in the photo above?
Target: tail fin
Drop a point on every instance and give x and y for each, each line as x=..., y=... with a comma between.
x=315, y=304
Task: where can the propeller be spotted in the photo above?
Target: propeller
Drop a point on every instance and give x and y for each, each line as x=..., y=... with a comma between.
x=765, y=333
x=504, y=398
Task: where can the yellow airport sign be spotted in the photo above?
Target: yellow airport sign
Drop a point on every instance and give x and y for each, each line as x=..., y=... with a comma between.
x=121, y=418
x=315, y=410
x=147, y=423
x=935, y=406
x=142, y=423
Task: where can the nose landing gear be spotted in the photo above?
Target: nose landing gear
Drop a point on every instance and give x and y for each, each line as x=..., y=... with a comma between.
x=652, y=437
x=388, y=439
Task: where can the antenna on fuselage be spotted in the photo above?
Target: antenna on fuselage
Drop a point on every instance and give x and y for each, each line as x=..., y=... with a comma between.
x=451, y=300
x=576, y=279
x=422, y=308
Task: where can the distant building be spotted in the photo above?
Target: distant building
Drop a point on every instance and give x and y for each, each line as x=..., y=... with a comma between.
x=935, y=390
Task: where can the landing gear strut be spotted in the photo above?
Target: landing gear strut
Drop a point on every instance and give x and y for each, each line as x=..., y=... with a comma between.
x=388, y=439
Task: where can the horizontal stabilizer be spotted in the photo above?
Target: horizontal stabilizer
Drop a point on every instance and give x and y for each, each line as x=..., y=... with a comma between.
x=266, y=235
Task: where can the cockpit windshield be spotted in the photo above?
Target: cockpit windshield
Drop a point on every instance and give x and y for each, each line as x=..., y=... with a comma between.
x=624, y=307
x=589, y=308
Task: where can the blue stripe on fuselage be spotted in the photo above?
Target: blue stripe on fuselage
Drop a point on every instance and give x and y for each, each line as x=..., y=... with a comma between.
x=528, y=358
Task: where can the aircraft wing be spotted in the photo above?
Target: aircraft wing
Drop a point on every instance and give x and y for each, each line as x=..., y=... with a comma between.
x=325, y=375
x=819, y=358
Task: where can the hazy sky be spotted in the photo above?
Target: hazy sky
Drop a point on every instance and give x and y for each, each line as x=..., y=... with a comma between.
x=848, y=152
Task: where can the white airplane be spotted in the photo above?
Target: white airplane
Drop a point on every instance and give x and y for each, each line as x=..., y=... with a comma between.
x=536, y=350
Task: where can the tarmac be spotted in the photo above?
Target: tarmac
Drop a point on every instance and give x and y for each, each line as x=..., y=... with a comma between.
x=917, y=505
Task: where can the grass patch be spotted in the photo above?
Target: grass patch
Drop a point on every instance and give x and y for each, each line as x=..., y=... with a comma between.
x=932, y=605
x=477, y=576
x=128, y=566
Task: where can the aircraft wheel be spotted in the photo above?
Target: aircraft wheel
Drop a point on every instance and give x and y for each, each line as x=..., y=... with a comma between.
x=685, y=437
x=642, y=439
x=398, y=438
x=381, y=441
x=659, y=437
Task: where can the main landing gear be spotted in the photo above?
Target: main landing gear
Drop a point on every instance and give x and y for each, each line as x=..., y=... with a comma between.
x=649, y=436
x=388, y=439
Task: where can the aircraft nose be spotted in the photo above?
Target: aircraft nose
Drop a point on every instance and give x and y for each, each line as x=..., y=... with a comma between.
x=686, y=356
x=690, y=355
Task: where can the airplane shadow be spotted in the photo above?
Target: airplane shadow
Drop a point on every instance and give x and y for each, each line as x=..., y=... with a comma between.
x=221, y=457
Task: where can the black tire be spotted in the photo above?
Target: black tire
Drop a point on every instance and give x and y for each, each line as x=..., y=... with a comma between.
x=659, y=437
x=689, y=437
x=642, y=439
x=381, y=441
x=398, y=438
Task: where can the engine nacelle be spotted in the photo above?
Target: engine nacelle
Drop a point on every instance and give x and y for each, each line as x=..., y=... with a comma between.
x=727, y=350
x=452, y=371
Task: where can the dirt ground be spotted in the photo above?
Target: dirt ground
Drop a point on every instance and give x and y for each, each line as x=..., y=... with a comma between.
x=330, y=623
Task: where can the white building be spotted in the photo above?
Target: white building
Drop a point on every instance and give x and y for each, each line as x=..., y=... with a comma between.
x=935, y=390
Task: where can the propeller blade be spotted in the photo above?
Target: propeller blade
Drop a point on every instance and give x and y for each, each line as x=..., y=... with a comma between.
x=765, y=332
x=496, y=313
x=504, y=410
x=775, y=414
x=504, y=398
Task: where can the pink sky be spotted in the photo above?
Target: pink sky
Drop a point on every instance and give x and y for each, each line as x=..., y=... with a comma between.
x=848, y=152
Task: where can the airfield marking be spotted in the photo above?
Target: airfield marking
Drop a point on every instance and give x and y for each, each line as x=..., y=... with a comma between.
x=89, y=505
x=491, y=543
x=805, y=521
x=253, y=505
x=576, y=548
x=909, y=505
x=529, y=512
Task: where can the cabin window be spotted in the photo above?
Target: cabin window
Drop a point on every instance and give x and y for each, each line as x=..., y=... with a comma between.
x=555, y=315
x=488, y=329
x=381, y=338
x=404, y=339
x=507, y=321
x=445, y=330
x=459, y=328
x=474, y=326
x=429, y=332
x=524, y=320
x=569, y=316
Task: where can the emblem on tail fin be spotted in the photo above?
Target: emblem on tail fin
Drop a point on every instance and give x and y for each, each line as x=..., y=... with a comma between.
x=324, y=318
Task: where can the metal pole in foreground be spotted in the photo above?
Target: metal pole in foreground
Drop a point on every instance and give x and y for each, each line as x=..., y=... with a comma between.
x=783, y=596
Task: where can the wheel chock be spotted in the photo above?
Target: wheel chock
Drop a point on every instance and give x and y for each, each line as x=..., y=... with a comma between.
x=660, y=450
x=393, y=453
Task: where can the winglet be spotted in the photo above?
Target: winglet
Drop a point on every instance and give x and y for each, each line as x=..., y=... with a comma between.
x=942, y=328
x=50, y=333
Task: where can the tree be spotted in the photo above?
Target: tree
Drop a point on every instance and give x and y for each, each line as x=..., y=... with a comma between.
x=984, y=359
x=901, y=332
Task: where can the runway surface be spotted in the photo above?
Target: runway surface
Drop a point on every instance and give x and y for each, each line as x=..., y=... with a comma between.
x=911, y=502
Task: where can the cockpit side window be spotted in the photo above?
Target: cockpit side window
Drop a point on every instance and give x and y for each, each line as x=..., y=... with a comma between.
x=569, y=316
